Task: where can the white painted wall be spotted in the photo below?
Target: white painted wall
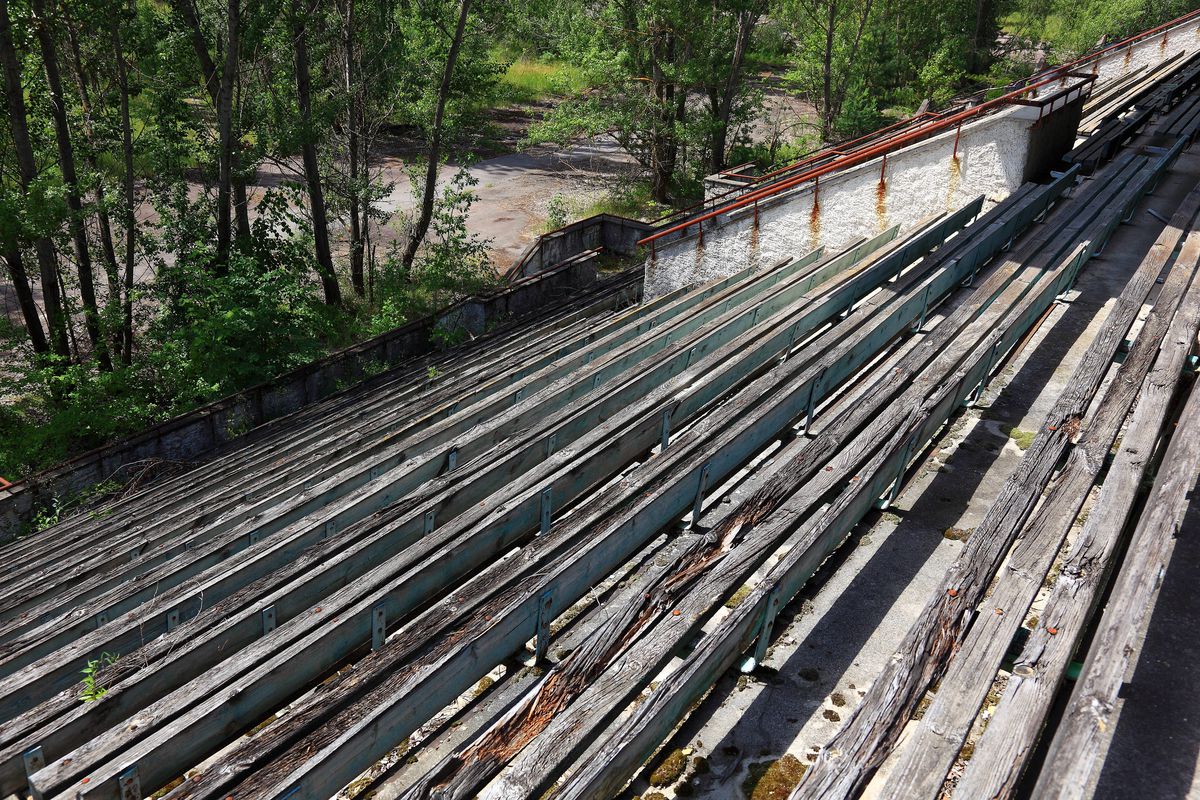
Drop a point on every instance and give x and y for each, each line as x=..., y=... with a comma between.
x=1148, y=52
x=921, y=180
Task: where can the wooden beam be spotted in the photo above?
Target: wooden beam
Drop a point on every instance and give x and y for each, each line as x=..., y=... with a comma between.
x=930, y=750
x=848, y=760
x=1003, y=752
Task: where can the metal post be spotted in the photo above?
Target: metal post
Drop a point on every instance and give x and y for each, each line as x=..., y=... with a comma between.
x=765, y=627
x=546, y=510
x=541, y=641
x=34, y=759
x=131, y=786
x=701, y=488
x=378, y=627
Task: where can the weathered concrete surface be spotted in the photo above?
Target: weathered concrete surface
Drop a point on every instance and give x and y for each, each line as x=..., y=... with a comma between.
x=834, y=638
x=617, y=235
x=989, y=156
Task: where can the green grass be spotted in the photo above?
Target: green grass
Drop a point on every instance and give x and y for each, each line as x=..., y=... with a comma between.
x=528, y=80
x=633, y=201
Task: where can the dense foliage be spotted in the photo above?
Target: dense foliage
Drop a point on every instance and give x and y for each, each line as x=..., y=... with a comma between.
x=192, y=192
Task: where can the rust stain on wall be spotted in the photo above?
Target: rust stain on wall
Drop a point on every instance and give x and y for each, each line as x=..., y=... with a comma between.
x=881, y=203
x=953, y=182
x=814, y=219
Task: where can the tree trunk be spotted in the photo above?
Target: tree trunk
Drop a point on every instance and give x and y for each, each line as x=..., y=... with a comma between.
x=128, y=210
x=212, y=85
x=66, y=162
x=980, y=44
x=308, y=149
x=107, y=248
x=435, y=145
x=353, y=128
x=225, y=133
x=29, y=310
x=827, y=110
x=721, y=101
x=27, y=169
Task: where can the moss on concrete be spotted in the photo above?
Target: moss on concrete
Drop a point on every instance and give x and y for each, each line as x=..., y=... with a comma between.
x=737, y=597
x=1021, y=437
x=670, y=769
x=773, y=780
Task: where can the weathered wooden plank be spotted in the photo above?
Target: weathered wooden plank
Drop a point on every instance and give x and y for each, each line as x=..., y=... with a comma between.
x=408, y=470
x=448, y=677
x=727, y=562
x=1078, y=739
x=781, y=332
x=680, y=494
x=848, y=760
x=889, y=443
x=930, y=750
x=1004, y=749
x=371, y=441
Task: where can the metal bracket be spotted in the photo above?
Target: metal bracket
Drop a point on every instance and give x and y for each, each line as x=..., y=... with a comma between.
x=894, y=489
x=791, y=342
x=541, y=641
x=375, y=472
x=920, y=322
x=427, y=522
x=34, y=759
x=268, y=619
x=452, y=459
x=551, y=440
x=172, y=619
x=701, y=488
x=254, y=537
x=330, y=528
x=595, y=381
x=131, y=786
x=978, y=391
x=378, y=627
x=546, y=509
x=810, y=407
x=1158, y=216
x=768, y=622
x=519, y=396
x=666, y=428
x=101, y=619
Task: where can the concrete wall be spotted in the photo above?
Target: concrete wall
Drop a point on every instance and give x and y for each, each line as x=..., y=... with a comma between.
x=923, y=179
x=615, y=234
x=194, y=435
x=1146, y=53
